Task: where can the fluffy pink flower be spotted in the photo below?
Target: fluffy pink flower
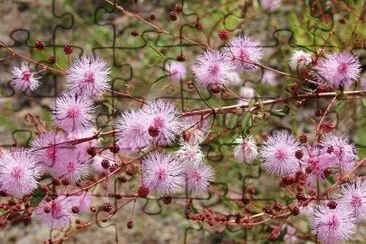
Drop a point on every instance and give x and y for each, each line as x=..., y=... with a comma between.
x=24, y=79
x=269, y=77
x=270, y=5
x=83, y=201
x=343, y=154
x=72, y=112
x=60, y=214
x=74, y=167
x=246, y=94
x=18, y=172
x=300, y=59
x=188, y=154
x=89, y=76
x=333, y=225
x=213, y=70
x=97, y=162
x=48, y=149
x=162, y=172
x=339, y=69
x=317, y=159
x=244, y=51
x=246, y=151
x=162, y=120
x=278, y=153
x=195, y=129
x=133, y=130
x=176, y=70
x=354, y=198
x=198, y=176
x=290, y=237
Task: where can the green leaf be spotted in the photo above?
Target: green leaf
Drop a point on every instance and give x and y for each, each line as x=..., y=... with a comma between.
x=363, y=102
x=158, y=80
x=340, y=106
x=37, y=197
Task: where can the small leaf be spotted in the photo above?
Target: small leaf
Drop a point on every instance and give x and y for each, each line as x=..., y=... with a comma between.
x=158, y=80
x=364, y=102
x=37, y=197
x=340, y=106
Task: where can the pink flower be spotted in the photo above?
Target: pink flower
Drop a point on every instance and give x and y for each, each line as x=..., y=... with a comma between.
x=246, y=94
x=270, y=5
x=162, y=172
x=60, y=213
x=333, y=225
x=162, y=120
x=18, y=172
x=24, y=79
x=300, y=59
x=278, y=153
x=290, y=237
x=176, y=70
x=246, y=151
x=198, y=176
x=97, y=162
x=317, y=159
x=244, y=53
x=89, y=76
x=354, y=198
x=213, y=70
x=83, y=201
x=48, y=149
x=72, y=112
x=133, y=130
x=342, y=153
x=188, y=154
x=339, y=69
x=269, y=77
x=74, y=167
x=195, y=129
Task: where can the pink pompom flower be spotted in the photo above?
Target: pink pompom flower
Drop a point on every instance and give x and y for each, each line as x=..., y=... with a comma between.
x=195, y=129
x=278, y=153
x=176, y=70
x=83, y=201
x=339, y=69
x=300, y=59
x=18, y=172
x=162, y=120
x=213, y=70
x=188, y=154
x=244, y=53
x=246, y=151
x=49, y=150
x=74, y=167
x=333, y=225
x=72, y=112
x=162, y=172
x=354, y=198
x=133, y=130
x=89, y=76
x=24, y=79
x=59, y=215
x=198, y=176
x=341, y=153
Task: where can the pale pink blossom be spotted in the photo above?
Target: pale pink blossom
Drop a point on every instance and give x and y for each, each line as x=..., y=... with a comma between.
x=24, y=79
x=18, y=172
x=333, y=225
x=176, y=70
x=278, y=153
x=213, y=70
x=89, y=76
x=354, y=198
x=300, y=59
x=199, y=175
x=339, y=69
x=246, y=150
x=72, y=112
x=270, y=5
x=162, y=173
x=245, y=53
